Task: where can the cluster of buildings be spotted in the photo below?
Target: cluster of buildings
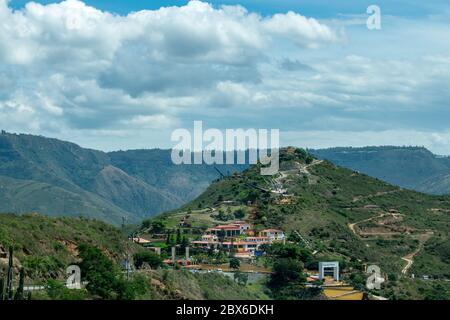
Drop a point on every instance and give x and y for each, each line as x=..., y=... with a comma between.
x=240, y=237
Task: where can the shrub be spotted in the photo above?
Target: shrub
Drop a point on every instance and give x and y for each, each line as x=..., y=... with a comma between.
x=239, y=214
x=286, y=271
x=235, y=263
x=57, y=291
x=148, y=257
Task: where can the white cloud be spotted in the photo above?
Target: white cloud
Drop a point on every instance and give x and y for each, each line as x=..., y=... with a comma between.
x=67, y=69
x=71, y=32
x=307, y=32
x=77, y=66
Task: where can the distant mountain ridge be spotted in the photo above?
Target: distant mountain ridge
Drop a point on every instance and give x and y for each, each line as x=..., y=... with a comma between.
x=414, y=168
x=57, y=178
x=60, y=178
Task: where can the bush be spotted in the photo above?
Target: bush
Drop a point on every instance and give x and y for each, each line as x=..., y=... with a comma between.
x=286, y=271
x=104, y=278
x=292, y=251
x=57, y=291
x=239, y=214
x=235, y=263
x=151, y=258
x=99, y=271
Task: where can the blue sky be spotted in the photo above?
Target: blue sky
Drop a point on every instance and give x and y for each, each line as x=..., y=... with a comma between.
x=109, y=75
x=316, y=8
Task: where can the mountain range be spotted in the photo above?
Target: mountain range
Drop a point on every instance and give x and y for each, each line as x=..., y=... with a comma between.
x=341, y=214
x=54, y=177
x=59, y=178
x=414, y=168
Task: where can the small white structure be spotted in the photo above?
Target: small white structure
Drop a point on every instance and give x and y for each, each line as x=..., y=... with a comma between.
x=273, y=234
x=245, y=226
x=324, y=268
x=210, y=238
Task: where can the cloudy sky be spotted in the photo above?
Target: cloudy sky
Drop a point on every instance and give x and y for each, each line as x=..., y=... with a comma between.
x=123, y=74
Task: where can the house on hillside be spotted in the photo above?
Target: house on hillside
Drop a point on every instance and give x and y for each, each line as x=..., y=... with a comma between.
x=238, y=237
x=210, y=238
x=231, y=230
x=227, y=230
x=273, y=234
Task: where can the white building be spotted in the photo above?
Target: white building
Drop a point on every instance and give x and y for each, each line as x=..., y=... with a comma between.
x=273, y=234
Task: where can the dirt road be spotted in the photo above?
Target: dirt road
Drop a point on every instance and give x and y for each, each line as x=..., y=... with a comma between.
x=409, y=261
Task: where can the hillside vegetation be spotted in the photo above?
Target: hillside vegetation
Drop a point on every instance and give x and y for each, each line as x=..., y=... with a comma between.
x=59, y=178
x=414, y=168
x=345, y=215
x=44, y=247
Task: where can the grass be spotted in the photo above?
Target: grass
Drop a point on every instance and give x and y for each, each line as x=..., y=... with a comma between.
x=46, y=246
x=329, y=198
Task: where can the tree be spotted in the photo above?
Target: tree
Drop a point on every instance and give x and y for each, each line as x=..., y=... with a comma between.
x=292, y=251
x=221, y=235
x=104, y=277
x=146, y=224
x=252, y=196
x=286, y=271
x=99, y=271
x=184, y=242
x=2, y=288
x=221, y=215
x=235, y=263
x=9, y=276
x=178, y=239
x=19, y=291
x=239, y=213
x=358, y=280
x=151, y=258
x=158, y=226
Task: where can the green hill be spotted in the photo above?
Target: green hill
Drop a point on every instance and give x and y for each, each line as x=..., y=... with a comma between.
x=45, y=247
x=414, y=168
x=59, y=178
x=345, y=215
x=22, y=196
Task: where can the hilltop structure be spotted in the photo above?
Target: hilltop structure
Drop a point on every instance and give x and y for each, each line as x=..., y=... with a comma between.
x=239, y=237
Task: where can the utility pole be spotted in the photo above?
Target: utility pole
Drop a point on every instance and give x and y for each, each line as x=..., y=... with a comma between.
x=173, y=256
x=9, y=279
x=127, y=254
x=187, y=255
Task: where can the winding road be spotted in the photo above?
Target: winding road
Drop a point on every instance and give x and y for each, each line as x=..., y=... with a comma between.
x=409, y=260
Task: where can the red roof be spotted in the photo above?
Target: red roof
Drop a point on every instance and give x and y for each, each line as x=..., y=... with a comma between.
x=227, y=227
x=271, y=230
